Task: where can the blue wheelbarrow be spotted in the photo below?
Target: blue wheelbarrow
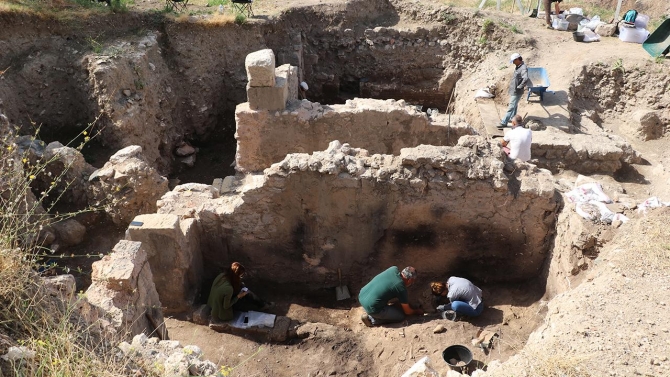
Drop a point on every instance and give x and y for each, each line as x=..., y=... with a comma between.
x=539, y=82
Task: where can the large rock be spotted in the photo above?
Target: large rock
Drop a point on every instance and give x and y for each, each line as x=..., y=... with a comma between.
x=260, y=66
x=606, y=30
x=127, y=185
x=70, y=232
x=123, y=291
x=172, y=248
x=290, y=73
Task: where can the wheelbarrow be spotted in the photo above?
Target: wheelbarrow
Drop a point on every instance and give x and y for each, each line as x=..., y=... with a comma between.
x=658, y=42
x=539, y=80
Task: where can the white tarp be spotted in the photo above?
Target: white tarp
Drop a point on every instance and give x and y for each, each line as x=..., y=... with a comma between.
x=590, y=200
x=243, y=320
x=652, y=202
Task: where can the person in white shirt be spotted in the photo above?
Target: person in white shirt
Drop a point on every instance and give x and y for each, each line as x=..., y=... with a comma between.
x=464, y=297
x=517, y=141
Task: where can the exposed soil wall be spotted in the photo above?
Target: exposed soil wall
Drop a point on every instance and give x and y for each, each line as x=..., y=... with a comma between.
x=440, y=209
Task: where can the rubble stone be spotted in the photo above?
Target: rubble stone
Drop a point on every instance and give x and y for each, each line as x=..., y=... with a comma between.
x=646, y=125
x=290, y=73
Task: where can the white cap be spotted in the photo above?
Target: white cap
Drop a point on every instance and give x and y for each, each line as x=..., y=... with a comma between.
x=304, y=85
x=514, y=57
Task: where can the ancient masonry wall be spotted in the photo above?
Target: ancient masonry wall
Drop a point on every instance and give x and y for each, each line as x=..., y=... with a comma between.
x=384, y=127
x=441, y=209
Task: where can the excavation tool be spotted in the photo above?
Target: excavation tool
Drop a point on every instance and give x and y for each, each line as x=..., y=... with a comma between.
x=341, y=292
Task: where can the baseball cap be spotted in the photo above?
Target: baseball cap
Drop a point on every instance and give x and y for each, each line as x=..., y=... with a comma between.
x=304, y=85
x=514, y=57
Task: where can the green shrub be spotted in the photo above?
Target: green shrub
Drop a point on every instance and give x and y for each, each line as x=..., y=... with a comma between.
x=240, y=19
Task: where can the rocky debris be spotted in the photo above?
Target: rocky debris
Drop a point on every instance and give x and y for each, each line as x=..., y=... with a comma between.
x=439, y=329
x=70, y=232
x=172, y=249
x=646, y=125
x=127, y=185
x=264, y=138
x=260, y=66
x=384, y=200
x=166, y=357
x=123, y=291
x=586, y=154
x=202, y=314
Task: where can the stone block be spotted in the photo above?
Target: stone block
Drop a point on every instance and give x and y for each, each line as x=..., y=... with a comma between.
x=606, y=30
x=173, y=251
x=290, y=73
x=268, y=98
x=260, y=66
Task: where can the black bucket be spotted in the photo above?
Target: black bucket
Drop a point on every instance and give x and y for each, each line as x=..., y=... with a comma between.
x=460, y=354
x=578, y=36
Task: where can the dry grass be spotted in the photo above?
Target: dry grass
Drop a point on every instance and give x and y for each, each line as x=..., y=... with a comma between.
x=207, y=21
x=650, y=239
x=547, y=364
x=63, y=344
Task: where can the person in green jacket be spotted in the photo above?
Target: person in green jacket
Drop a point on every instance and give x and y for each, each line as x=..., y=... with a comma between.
x=228, y=293
x=389, y=285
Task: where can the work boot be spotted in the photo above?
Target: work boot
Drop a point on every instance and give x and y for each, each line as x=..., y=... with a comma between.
x=366, y=320
x=449, y=315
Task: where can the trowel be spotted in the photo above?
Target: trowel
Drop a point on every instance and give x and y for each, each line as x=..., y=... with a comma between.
x=341, y=292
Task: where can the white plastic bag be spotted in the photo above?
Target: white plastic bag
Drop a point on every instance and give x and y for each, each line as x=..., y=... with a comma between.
x=421, y=368
x=593, y=24
x=588, y=192
x=483, y=93
x=590, y=36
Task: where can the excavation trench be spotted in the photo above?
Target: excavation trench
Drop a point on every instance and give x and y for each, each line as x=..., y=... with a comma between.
x=358, y=205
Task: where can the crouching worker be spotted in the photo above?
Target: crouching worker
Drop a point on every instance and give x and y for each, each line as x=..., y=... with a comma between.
x=464, y=297
x=387, y=286
x=228, y=293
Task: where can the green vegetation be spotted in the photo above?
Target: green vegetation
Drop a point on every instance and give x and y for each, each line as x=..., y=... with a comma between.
x=240, y=19
x=216, y=3
x=511, y=27
x=482, y=40
x=447, y=18
x=618, y=65
x=487, y=26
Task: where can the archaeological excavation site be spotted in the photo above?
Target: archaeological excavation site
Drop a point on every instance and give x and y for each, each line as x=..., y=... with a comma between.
x=318, y=144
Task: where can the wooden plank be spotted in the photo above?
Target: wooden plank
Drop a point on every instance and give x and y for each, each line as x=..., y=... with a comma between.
x=490, y=117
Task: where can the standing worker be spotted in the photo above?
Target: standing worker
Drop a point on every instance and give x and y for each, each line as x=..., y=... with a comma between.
x=517, y=142
x=547, y=10
x=516, y=88
x=388, y=285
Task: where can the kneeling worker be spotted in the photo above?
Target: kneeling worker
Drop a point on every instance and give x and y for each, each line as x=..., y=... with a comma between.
x=388, y=285
x=464, y=297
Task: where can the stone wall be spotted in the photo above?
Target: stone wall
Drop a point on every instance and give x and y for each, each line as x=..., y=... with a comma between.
x=384, y=127
x=172, y=248
x=440, y=209
x=586, y=154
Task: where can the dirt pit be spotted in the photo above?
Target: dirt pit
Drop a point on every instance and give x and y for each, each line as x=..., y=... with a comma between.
x=158, y=89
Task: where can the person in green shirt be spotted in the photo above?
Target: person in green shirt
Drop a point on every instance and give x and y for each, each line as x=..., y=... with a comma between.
x=228, y=293
x=388, y=285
